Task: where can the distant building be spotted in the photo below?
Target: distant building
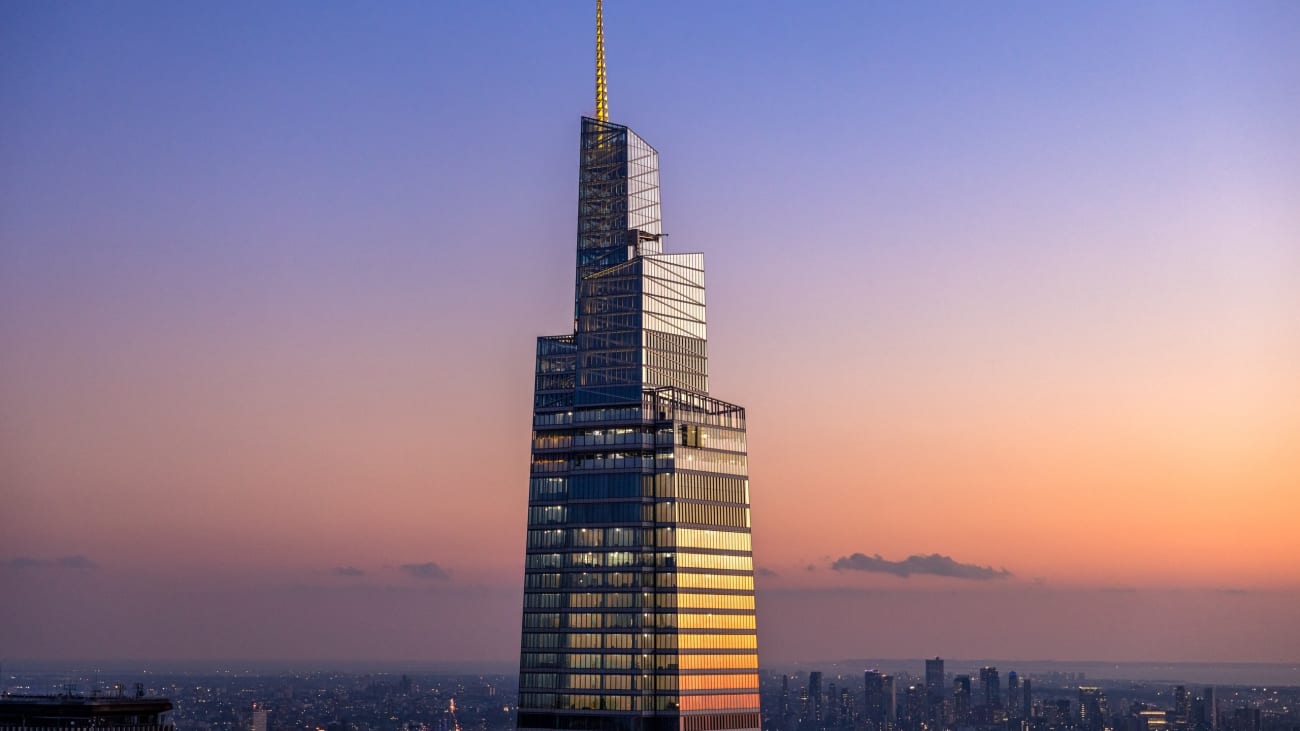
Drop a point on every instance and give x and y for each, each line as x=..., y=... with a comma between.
x=1092, y=708
x=991, y=687
x=891, y=701
x=874, y=706
x=785, y=716
x=814, y=712
x=915, y=705
x=1245, y=719
x=1207, y=711
x=961, y=700
x=259, y=717
x=934, y=693
x=1026, y=701
x=40, y=712
x=1013, y=695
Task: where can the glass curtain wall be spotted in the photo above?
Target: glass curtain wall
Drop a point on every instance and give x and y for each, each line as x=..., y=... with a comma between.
x=639, y=585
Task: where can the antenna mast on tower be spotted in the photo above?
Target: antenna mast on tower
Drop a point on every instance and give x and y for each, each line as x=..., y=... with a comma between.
x=602, y=91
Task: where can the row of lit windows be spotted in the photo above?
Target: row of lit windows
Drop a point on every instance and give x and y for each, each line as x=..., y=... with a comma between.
x=592, y=487
x=701, y=538
x=591, y=513
x=628, y=620
x=554, y=381
x=609, y=661
x=606, y=286
x=633, y=641
x=717, y=662
x=557, y=363
x=596, y=322
x=713, y=621
x=593, y=702
x=628, y=559
x=592, y=415
x=707, y=539
x=690, y=560
x=703, y=460
x=730, y=440
x=559, y=418
x=728, y=701
x=625, y=340
x=659, y=682
x=748, y=681
x=554, y=344
x=627, y=579
x=611, y=437
x=599, y=304
x=639, y=662
x=715, y=601
x=730, y=516
x=590, y=559
x=596, y=579
x=596, y=537
x=714, y=581
x=692, y=486
x=713, y=642
x=630, y=600
x=588, y=600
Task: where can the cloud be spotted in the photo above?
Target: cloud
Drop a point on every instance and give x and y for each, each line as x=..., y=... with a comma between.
x=77, y=562
x=934, y=564
x=427, y=570
x=763, y=571
x=348, y=571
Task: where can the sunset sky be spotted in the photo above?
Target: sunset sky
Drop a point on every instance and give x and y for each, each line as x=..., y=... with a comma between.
x=1017, y=284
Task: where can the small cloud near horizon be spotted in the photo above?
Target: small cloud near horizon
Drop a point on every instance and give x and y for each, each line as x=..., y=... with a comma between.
x=426, y=570
x=77, y=562
x=763, y=571
x=348, y=571
x=932, y=565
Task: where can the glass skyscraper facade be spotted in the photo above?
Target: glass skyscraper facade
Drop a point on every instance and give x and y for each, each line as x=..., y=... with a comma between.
x=638, y=581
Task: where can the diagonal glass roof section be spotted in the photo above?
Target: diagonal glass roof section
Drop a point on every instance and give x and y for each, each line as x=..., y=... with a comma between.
x=618, y=197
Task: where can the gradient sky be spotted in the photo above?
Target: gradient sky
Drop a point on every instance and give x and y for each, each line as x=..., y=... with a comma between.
x=1017, y=284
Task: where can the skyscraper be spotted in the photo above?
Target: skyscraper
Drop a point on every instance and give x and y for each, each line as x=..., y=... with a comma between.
x=961, y=700
x=1093, y=708
x=259, y=718
x=991, y=686
x=812, y=717
x=1013, y=694
x=638, y=581
x=875, y=708
x=934, y=692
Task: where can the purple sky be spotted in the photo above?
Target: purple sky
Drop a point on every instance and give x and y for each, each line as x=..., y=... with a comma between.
x=1018, y=285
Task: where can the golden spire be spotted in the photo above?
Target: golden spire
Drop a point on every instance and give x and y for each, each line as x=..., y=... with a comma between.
x=602, y=92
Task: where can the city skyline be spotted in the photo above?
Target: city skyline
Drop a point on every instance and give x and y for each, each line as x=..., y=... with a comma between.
x=265, y=304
